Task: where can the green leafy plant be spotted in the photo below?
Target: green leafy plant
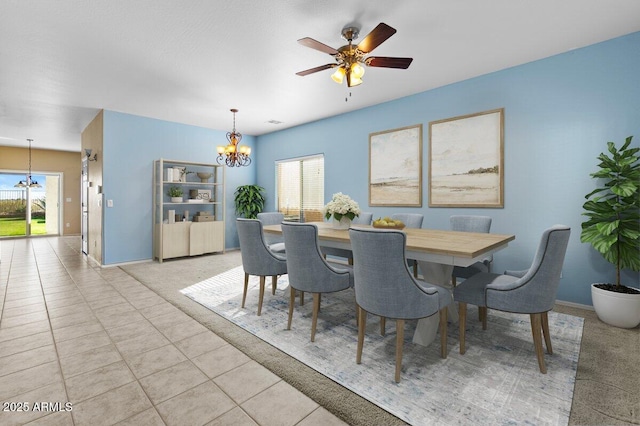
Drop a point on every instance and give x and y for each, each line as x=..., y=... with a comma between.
x=249, y=200
x=175, y=191
x=613, y=209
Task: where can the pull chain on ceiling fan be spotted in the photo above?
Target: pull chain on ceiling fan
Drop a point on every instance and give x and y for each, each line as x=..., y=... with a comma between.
x=350, y=59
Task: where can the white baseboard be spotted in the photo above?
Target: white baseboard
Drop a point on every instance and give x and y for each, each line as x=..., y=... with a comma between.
x=112, y=265
x=575, y=305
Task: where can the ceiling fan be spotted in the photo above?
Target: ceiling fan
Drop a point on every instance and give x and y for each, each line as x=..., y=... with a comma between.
x=350, y=58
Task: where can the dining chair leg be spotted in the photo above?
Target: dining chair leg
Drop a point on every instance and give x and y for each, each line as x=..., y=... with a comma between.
x=383, y=326
x=246, y=287
x=274, y=284
x=399, y=344
x=350, y=261
x=357, y=314
x=453, y=280
x=482, y=316
x=545, y=332
x=261, y=296
x=292, y=301
x=462, y=321
x=415, y=269
x=314, y=317
x=302, y=298
x=443, y=332
x=362, y=322
x=536, y=330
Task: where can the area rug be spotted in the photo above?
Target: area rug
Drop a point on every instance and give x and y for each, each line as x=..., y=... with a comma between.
x=497, y=381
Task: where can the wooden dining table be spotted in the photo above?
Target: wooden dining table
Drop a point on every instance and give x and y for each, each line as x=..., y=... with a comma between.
x=437, y=252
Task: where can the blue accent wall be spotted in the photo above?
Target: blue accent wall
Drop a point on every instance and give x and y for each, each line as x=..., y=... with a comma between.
x=131, y=144
x=559, y=114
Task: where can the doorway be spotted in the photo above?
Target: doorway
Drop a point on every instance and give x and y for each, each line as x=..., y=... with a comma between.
x=28, y=211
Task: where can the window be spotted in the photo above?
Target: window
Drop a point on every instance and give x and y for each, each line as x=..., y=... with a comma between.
x=300, y=187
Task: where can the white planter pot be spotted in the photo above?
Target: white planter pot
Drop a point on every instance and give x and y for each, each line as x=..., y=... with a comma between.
x=176, y=199
x=343, y=223
x=617, y=309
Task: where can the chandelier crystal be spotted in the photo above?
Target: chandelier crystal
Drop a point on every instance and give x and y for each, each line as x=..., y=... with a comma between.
x=29, y=182
x=234, y=155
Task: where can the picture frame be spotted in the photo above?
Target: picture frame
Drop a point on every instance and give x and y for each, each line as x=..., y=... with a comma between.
x=395, y=167
x=466, y=160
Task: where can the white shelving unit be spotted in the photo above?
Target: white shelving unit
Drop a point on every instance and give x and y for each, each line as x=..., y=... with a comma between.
x=189, y=227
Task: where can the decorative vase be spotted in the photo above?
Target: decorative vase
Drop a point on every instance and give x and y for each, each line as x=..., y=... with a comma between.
x=617, y=309
x=343, y=223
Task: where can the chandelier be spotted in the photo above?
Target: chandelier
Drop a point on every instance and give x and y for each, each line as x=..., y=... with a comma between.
x=234, y=155
x=29, y=182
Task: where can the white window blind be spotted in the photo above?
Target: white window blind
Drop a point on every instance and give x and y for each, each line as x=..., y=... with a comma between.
x=300, y=186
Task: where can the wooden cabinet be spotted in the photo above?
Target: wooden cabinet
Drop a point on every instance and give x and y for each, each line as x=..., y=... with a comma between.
x=194, y=224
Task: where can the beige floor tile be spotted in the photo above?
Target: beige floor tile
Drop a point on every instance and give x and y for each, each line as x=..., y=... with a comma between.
x=89, y=360
x=199, y=344
x=69, y=301
x=21, y=344
x=99, y=294
x=281, y=404
x=235, y=417
x=110, y=310
x=246, y=381
x=81, y=317
x=321, y=417
x=63, y=418
x=50, y=393
x=107, y=302
x=112, y=406
x=195, y=406
x=83, y=344
x=10, y=303
x=183, y=330
x=93, y=383
x=149, y=417
x=155, y=360
x=22, y=310
x=28, y=379
x=24, y=319
x=220, y=361
x=140, y=344
x=23, y=294
x=128, y=331
x=158, y=310
x=78, y=330
x=172, y=381
x=167, y=321
x=71, y=292
x=27, y=359
x=69, y=310
x=118, y=320
x=146, y=301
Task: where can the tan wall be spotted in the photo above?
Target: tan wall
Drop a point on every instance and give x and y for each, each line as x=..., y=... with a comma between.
x=92, y=138
x=49, y=161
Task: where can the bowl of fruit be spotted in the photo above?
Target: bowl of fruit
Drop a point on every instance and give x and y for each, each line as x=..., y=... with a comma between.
x=388, y=223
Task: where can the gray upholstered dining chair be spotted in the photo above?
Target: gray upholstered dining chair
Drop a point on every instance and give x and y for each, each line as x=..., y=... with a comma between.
x=308, y=270
x=365, y=218
x=274, y=242
x=385, y=286
x=469, y=223
x=530, y=292
x=411, y=220
x=257, y=259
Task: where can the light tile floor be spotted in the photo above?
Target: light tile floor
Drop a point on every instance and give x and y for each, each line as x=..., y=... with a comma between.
x=84, y=345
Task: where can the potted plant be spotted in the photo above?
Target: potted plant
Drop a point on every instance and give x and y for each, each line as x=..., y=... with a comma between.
x=613, y=229
x=249, y=200
x=175, y=192
x=343, y=210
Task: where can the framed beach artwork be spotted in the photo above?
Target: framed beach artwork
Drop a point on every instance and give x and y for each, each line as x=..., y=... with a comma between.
x=395, y=167
x=466, y=165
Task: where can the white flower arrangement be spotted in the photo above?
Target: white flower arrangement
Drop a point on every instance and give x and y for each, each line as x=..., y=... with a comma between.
x=341, y=205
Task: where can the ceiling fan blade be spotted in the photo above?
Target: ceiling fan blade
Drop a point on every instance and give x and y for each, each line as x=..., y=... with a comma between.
x=316, y=69
x=376, y=37
x=388, y=62
x=315, y=44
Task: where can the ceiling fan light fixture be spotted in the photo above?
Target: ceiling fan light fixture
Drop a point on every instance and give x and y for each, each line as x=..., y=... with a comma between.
x=338, y=76
x=357, y=71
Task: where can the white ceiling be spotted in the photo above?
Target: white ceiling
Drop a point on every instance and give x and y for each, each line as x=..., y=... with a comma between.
x=191, y=61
